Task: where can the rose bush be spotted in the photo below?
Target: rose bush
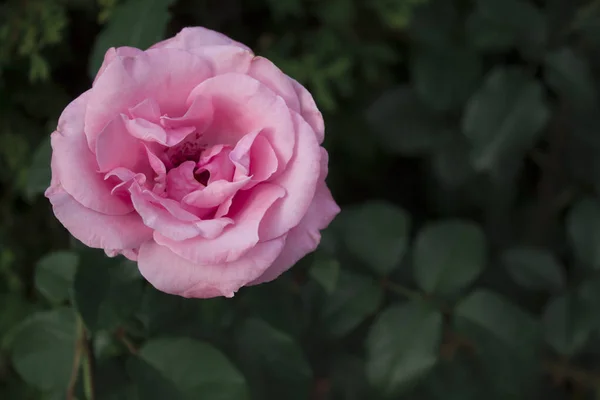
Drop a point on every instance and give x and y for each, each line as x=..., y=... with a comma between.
x=197, y=159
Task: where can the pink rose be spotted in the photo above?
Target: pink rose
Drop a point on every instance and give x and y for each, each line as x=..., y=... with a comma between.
x=197, y=159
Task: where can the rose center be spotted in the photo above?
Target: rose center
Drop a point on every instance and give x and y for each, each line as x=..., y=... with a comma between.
x=189, y=149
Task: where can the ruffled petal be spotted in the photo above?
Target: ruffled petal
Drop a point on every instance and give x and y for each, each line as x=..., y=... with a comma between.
x=95, y=229
x=160, y=219
x=155, y=74
x=172, y=274
x=197, y=37
x=305, y=237
x=115, y=147
x=181, y=181
x=299, y=180
x=238, y=238
x=310, y=112
x=242, y=104
x=215, y=193
x=113, y=53
x=76, y=167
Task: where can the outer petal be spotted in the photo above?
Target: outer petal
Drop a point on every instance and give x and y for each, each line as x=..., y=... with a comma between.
x=310, y=112
x=299, y=180
x=95, y=229
x=156, y=74
x=75, y=165
x=305, y=237
x=113, y=53
x=242, y=105
x=172, y=274
x=235, y=240
x=197, y=37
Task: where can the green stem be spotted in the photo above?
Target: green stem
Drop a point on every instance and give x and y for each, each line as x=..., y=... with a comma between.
x=88, y=371
x=76, y=360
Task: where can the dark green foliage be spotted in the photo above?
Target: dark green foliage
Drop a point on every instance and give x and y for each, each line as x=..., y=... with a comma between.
x=464, y=143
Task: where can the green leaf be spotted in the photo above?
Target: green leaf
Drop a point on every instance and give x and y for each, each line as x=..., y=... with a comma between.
x=355, y=298
x=43, y=348
x=534, y=268
x=107, y=291
x=445, y=78
x=273, y=361
x=377, y=233
x=567, y=327
x=90, y=286
x=135, y=23
x=504, y=117
x=496, y=316
x=325, y=271
x=54, y=275
x=448, y=256
x=150, y=383
x=516, y=23
x=570, y=75
x=402, y=347
x=39, y=174
x=507, y=342
x=583, y=230
x=404, y=125
x=434, y=23
x=195, y=367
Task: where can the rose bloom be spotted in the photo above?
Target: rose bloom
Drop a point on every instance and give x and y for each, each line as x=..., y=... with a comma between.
x=198, y=160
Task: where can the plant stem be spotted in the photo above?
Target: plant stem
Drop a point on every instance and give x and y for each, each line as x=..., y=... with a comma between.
x=88, y=369
x=76, y=360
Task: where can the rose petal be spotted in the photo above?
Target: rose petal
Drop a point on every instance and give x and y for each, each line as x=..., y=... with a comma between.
x=309, y=111
x=95, y=229
x=198, y=115
x=270, y=75
x=115, y=147
x=305, y=237
x=113, y=53
x=148, y=109
x=181, y=181
x=172, y=274
x=156, y=74
x=197, y=37
x=237, y=238
x=299, y=180
x=76, y=167
x=215, y=193
x=160, y=219
x=241, y=105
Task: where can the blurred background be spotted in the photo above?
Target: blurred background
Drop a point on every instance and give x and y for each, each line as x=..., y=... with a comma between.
x=464, y=142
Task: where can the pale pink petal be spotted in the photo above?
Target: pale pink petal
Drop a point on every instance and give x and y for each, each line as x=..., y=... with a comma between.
x=242, y=104
x=76, y=167
x=151, y=132
x=299, y=180
x=199, y=115
x=215, y=193
x=235, y=239
x=95, y=229
x=160, y=219
x=196, y=37
x=270, y=75
x=263, y=160
x=305, y=237
x=217, y=162
x=310, y=112
x=156, y=74
x=113, y=53
x=148, y=109
x=115, y=147
x=181, y=181
x=172, y=274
